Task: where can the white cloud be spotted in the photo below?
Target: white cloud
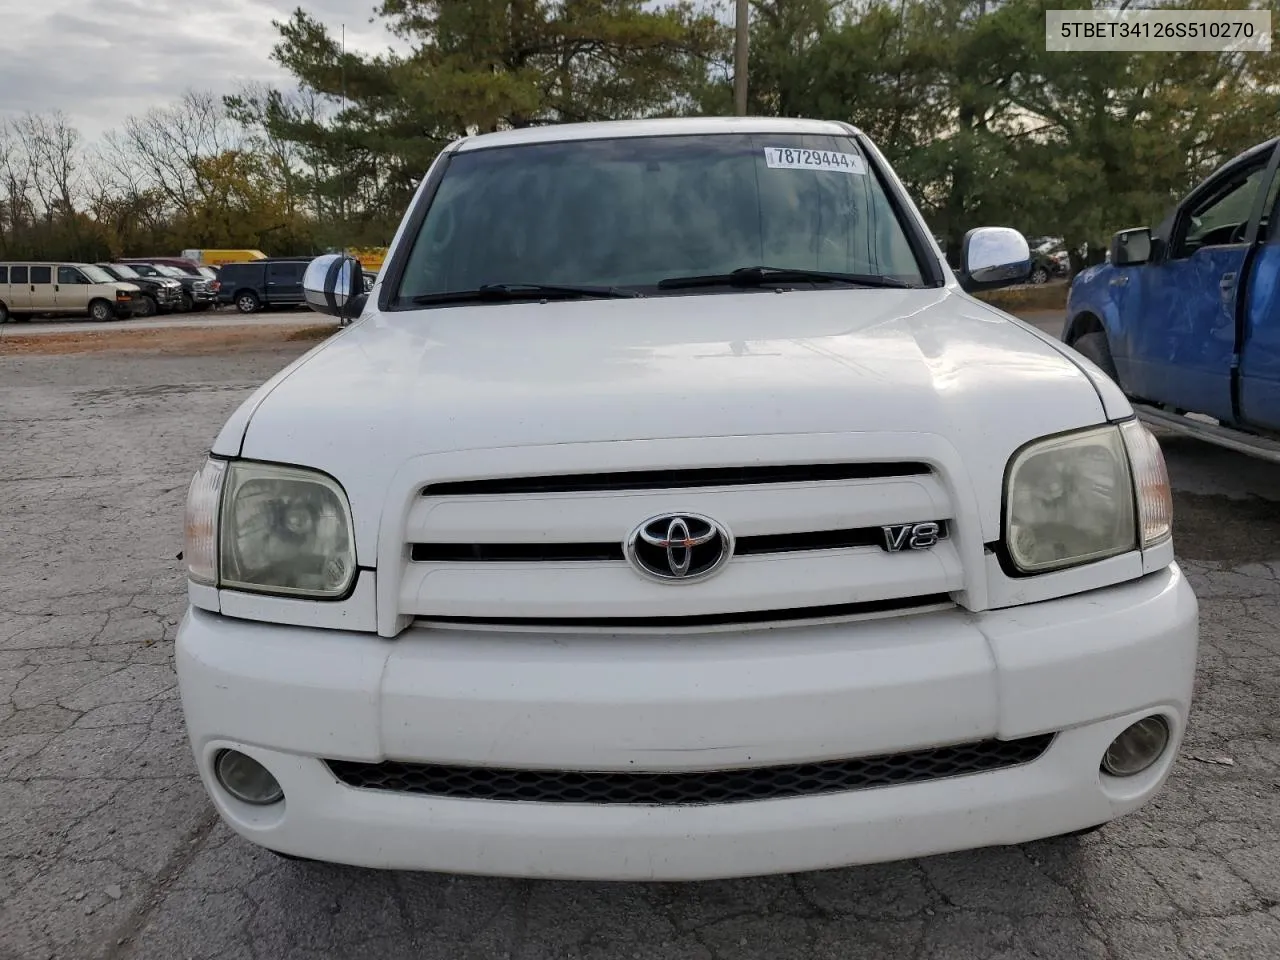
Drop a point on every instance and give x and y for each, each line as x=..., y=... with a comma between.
x=98, y=61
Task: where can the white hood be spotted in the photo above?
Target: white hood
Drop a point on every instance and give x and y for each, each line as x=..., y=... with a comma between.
x=399, y=385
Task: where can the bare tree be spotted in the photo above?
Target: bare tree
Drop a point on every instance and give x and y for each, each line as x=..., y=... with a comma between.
x=168, y=146
x=19, y=208
x=50, y=150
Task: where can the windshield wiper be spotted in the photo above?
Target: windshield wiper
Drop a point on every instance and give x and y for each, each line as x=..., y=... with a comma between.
x=500, y=292
x=763, y=276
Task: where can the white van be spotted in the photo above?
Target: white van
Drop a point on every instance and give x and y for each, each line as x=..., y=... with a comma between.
x=76, y=289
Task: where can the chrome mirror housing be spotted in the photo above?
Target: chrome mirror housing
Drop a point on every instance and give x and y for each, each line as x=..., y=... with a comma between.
x=334, y=285
x=994, y=257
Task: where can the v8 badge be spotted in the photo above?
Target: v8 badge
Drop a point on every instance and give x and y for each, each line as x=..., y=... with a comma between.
x=911, y=536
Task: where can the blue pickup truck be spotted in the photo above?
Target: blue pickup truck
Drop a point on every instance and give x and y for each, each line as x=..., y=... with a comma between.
x=1186, y=316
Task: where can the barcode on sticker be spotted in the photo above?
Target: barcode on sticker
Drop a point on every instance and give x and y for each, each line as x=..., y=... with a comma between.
x=801, y=158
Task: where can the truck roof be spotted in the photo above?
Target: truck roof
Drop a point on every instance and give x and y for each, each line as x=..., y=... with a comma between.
x=553, y=133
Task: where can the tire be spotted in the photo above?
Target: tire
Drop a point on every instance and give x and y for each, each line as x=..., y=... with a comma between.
x=101, y=312
x=149, y=306
x=202, y=307
x=247, y=302
x=4, y=313
x=187, y=303
x=1039, y=275
x=1096, y=348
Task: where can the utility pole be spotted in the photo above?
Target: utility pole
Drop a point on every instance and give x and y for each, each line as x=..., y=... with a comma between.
x=740, y=60
x=342, y=195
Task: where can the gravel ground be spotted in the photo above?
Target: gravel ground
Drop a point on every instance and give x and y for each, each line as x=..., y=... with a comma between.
x=109, y=849
x=221, y=317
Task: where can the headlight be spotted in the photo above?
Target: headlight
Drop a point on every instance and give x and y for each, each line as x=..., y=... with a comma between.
x=1069, y=500
x=269, y=529
x=285, y=530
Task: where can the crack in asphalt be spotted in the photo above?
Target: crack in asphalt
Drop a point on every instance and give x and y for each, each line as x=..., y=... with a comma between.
x=174, y=867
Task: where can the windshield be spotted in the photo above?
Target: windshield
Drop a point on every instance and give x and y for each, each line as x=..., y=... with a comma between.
x=146, y=270
x=124, y=272
x=632, y=212
x=208, y=273
x=96, y=274
x=169, y=271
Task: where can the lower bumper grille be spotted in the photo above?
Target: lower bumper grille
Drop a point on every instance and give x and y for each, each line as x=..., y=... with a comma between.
x=694, y=787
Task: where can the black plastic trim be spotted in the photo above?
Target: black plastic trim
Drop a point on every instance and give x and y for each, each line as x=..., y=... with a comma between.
x=892, y=605
x=393, y=269
x=917, y=237
x=600, y=552
x=676, y=479
x=692, y=787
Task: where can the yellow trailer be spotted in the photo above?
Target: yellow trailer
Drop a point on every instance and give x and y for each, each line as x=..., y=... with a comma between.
x=216, y=258
x=371, y=258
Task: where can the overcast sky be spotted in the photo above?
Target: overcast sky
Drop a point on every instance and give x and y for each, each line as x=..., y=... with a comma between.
x=100, y=60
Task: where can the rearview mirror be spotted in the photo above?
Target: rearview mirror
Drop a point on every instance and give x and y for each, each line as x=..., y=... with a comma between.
x=1129, y=248
x=334, y=285
x=994, y=257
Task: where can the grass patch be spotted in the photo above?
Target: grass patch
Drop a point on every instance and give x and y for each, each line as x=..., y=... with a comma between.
x=1046, y=296
x=183, y=341
x=318, y=332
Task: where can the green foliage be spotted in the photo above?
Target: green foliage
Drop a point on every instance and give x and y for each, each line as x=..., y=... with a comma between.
x=475, y=66
x=986, y=126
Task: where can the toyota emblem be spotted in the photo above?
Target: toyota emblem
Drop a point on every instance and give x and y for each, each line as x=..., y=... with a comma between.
x=679, y=547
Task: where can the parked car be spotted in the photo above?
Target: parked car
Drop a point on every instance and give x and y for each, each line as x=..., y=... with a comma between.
x=655, y=519
x=198, y=292
x=1185, y=317
x=1049, y=260
x=255, y=285
x=1046, y=267
x=67, y=289
x=157, y=294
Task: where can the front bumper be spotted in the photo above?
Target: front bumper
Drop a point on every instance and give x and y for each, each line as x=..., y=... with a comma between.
x=1083, y=668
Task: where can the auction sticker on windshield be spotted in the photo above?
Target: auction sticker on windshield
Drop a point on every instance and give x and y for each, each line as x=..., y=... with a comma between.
x=798, y=158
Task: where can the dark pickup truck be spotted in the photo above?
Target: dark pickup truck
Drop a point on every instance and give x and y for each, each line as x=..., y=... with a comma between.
x=198, y=292
x=158, y=294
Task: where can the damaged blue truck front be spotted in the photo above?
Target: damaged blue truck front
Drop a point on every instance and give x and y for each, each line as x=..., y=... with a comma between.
x=1185, y=317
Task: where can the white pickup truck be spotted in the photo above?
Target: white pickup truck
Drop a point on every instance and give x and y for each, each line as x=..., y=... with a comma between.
x=670, y=510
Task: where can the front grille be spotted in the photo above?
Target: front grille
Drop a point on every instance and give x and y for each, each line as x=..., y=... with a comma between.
x=692, y=788
x=544, y=550
x=596, y=552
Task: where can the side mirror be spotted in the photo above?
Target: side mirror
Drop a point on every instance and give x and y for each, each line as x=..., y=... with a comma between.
x=1129, y=248
x=334, y=285
x=994, y=257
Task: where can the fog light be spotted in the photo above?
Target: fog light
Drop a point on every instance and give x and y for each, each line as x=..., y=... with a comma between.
x=246, y=779
x=1137, y=748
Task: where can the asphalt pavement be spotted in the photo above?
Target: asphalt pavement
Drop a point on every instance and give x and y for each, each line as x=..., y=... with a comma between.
x=109, y=849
